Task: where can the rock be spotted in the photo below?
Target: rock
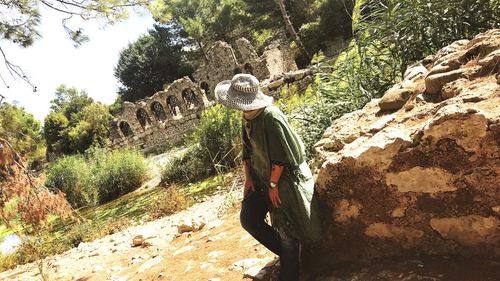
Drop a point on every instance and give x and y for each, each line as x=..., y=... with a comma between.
x=276, y=83
x=415, y=72
x=394, y=99
x=137, y=240
x=453, y=88
x=190, y=225
x=255, y=272
x=468, y=230
x=422, y=181
x=434, y=83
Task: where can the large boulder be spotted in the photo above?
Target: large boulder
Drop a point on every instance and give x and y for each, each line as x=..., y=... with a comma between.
x=424, y=179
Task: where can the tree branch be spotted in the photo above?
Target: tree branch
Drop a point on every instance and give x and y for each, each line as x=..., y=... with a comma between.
x=16, y=70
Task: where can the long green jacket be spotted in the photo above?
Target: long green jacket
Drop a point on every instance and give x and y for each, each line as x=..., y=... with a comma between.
x=268, y=139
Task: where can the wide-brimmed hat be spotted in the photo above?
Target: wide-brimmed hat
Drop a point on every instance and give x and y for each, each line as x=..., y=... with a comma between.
x=242, y=93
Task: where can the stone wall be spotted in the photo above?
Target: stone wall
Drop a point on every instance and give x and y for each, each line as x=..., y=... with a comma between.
x=160, y=120
x=418, y=171
x=223, y=62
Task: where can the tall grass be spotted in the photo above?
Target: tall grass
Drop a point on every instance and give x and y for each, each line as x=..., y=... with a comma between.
x=98, y=177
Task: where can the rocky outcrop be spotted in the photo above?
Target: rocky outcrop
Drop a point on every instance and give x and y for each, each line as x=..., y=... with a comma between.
x=418, y=171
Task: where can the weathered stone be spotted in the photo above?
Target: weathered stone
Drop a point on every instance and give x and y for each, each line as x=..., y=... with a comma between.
x=434, y=83
x=137, y=240
x=394, y=99
x=420, y=181
x=190, y=225
x=468, y=230
x=346, y=210
x=425, y=180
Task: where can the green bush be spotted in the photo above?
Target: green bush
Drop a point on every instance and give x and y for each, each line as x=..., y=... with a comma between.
x=72, y=175
x=119, y=173
x=213, y=146
x=388, y=37
x=99, y=177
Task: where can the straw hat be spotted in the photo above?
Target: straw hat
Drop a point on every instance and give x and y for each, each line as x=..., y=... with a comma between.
x=242, y=93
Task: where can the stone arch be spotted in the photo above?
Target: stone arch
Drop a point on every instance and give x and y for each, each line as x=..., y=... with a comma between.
x=248, y=68
x=204, y=86
x=126, y=129
x=174, y=105
x=158, y=111
x=143, y=117
x=190, y=98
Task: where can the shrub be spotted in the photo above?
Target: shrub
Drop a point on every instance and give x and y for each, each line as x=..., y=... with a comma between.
x=170, y=201
x=388, y=37
x=213, y=146
x=71, y=175
x=120, y=172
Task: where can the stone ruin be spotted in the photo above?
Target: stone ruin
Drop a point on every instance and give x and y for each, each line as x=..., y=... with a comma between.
x=160, y=121
x=417, y=172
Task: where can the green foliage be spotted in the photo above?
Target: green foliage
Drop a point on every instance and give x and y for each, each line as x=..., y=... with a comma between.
x=159, y=57
x=389, y=36
x=72, y=175
x=75, y=123
x=98, y=178
x=213, y=146
x=394, y=34
x=118, y=173
x=23, y=131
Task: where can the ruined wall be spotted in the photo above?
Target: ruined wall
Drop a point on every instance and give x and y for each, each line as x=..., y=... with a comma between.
x=418, y=171
x=160, y=120
x=223, y=62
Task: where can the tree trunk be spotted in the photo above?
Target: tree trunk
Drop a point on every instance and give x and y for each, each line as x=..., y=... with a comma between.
x=289, y=27
x=202, y=51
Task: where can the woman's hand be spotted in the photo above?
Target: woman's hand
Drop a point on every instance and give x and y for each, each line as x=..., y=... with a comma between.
x=274, y=197
x=248, y=187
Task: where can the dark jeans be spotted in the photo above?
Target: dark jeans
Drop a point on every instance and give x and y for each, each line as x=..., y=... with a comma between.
x=252, y=216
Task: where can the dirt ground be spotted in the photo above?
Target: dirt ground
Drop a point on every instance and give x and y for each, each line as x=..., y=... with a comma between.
x=222, y=250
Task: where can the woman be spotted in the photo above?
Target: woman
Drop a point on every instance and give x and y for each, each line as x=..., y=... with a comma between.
x=278, y=179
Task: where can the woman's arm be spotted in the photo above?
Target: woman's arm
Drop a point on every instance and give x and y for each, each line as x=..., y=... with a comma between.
x=276, y=172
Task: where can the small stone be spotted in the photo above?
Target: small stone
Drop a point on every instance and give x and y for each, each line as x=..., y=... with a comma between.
x=394, y=98
x=137, y=240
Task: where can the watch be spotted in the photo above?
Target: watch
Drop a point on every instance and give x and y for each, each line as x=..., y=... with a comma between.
x=273, y=185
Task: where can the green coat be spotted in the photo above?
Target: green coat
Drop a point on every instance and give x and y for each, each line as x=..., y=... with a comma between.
x=269, y=139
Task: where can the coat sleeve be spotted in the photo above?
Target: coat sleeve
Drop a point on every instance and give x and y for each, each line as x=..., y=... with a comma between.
x=284, y=146
x=247, y=149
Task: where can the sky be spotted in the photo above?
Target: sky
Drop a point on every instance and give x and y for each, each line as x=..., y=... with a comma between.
x=53, y=60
